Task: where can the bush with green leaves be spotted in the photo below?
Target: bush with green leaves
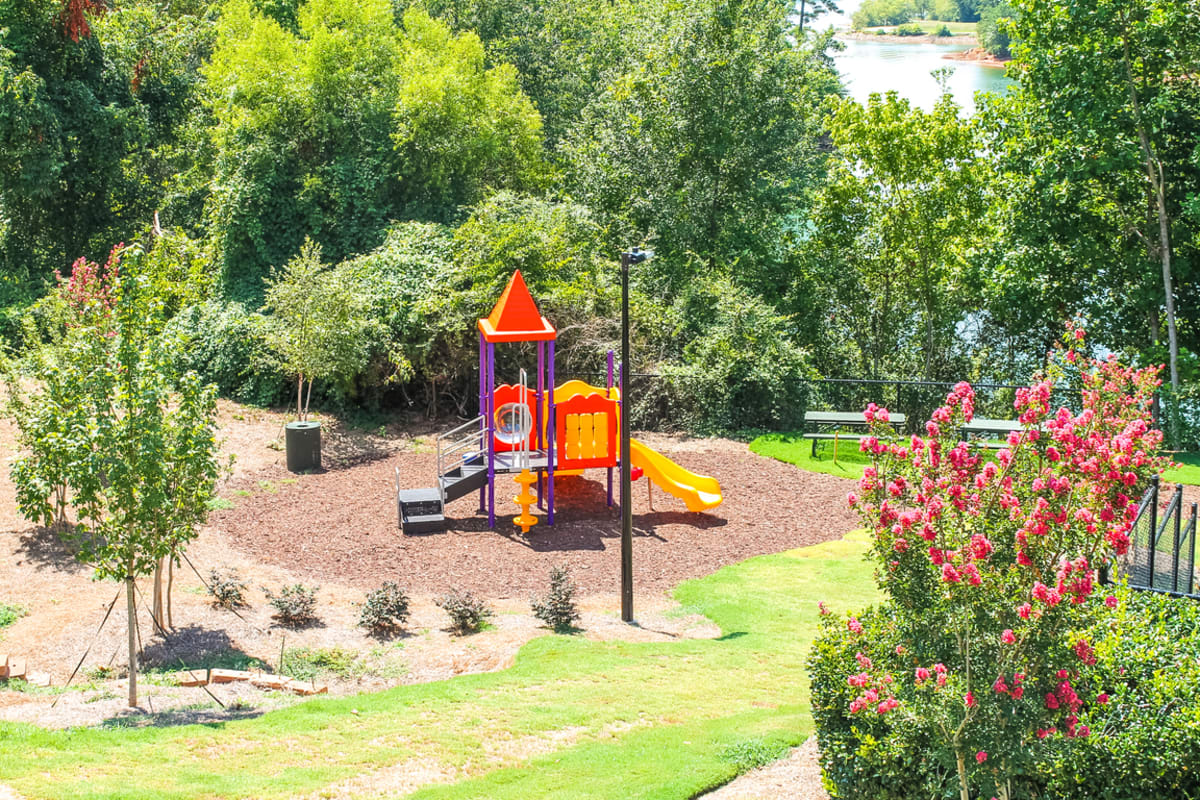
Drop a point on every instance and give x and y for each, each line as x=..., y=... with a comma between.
x=385, y=610
x=228, y=345
x=227, y=588
x=467, y=612
x=295, y=605
x=558, y=608
x=738, y=369
x=910, y=29
x=1148, y=726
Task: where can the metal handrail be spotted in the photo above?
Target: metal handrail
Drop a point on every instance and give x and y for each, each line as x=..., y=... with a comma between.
x=475, y=437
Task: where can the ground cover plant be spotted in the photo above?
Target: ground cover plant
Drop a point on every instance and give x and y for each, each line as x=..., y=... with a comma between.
x=558, y=608
x=295, y=604
x=981, y=652
x=585, y=705
x=385, y=610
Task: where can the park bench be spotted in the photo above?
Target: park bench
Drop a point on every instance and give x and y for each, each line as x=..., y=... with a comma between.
x=982, y=429
x=822, y=425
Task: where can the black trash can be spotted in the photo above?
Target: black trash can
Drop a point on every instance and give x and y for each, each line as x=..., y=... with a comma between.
x=303, y=442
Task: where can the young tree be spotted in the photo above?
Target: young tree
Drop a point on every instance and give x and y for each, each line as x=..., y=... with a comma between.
x=894, y=222
x=1114, y=81
x=143, y=449
x=320, y=326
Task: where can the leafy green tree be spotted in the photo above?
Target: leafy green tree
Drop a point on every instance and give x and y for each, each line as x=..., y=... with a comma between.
x=893, y=225
x=459, y=126
x=1109, y=76
x=143, y=464
x=91, y=107
x=319, y=325
x=710, y=145
x=350, y=122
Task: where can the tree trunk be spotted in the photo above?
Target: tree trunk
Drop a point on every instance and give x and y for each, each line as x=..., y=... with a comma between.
x=157, y=610
x=1154, y=174
x=964, y=790
x=131, y=613
x=801, y=16
x=300, y=399
x=308, y=399
x=170, y=585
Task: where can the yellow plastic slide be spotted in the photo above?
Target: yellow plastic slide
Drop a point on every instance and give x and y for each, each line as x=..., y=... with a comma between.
x=699, y=492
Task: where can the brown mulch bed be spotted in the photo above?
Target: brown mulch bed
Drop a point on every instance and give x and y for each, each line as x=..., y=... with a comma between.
x=340, y=525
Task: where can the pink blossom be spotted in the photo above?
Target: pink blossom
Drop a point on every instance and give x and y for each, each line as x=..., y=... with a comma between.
x=1008, y=637
x=1102, y=699
x=863, y=661
x=854, y=625
x=969, y=700
x=922, y=675
x=950, y=574
x=1110, y=601
x=981, y=756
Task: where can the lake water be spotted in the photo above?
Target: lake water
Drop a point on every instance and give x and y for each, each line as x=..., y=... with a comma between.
x=869, y=67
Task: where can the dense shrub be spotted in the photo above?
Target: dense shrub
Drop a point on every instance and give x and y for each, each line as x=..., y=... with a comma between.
x=385, y=609
x=227, y=588
x=943, y=30
x=467, y=612
x=910, y=29
x=295, y=604
x=738, y=369
x=227, y=345
x=558, y=608
x=983, y=655
x=1148, y=666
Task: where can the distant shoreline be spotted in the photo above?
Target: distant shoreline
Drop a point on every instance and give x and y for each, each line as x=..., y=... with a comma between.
x=964, y=39
x=974, y=53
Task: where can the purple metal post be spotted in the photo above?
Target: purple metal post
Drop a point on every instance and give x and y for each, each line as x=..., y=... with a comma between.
x=608, y=393
x=491, y=433
x=551, y=424
x=482, y=409
x=539, y=415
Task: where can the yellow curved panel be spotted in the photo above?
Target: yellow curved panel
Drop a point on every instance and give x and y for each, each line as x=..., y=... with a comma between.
x=699, y=492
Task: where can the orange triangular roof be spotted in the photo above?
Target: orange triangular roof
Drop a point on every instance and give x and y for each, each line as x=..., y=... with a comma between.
x=515, y=317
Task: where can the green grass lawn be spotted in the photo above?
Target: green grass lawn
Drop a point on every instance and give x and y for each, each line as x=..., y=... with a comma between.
x=793, y=449
x=572, y=717
x=1188, y=470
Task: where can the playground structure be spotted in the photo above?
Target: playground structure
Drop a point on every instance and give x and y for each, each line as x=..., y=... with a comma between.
x=536, y=434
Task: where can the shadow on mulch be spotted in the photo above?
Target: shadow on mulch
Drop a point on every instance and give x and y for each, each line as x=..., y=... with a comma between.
x=195, y=647
x=47, y=548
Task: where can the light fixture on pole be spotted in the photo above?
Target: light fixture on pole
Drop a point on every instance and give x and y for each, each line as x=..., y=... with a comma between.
x=634, y=256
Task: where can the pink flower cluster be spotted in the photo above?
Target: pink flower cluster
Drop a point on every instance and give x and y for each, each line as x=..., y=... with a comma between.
x=90, y=291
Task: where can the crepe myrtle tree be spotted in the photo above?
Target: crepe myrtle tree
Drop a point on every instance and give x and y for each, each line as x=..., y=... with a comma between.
x=143, y=452
x=989, y=568
x=320, y=327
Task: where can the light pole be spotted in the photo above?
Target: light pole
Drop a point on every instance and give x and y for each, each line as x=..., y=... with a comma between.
x=634, y=256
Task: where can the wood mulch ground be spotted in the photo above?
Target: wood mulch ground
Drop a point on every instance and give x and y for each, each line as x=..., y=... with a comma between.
x=341, y=524
x=338, y=529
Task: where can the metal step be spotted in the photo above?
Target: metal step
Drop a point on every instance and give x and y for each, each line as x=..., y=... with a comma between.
x=420, y=510
x=462, y=481
x=426, y=523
